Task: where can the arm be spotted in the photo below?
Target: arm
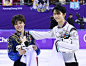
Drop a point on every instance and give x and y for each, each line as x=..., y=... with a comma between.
x=42, y=35
x=35, y=47
x=12, y=55
x=73, y=46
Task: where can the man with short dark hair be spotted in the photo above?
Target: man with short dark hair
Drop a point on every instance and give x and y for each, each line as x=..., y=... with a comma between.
x=70, y=19
x=67, y=41
x=19, y=37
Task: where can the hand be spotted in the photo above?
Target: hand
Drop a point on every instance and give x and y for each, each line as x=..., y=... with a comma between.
x=21, y=52
x=34, y=47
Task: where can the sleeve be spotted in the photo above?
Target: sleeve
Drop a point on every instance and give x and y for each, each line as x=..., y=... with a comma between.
x=12, y=55
x=42, y=35
x=38, y=50
x=70, y=47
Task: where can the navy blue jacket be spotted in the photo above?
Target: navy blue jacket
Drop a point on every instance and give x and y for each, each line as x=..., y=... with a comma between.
x=14, y=40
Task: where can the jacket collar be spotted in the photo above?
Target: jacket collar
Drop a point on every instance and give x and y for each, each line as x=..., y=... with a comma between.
x=18, y=33
x=63, y=24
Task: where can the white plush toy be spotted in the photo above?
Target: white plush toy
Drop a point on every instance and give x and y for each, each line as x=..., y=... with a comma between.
x=29, y=58
x=24, y=46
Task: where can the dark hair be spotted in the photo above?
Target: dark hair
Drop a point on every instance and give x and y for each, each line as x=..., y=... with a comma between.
x=7, y=0
x=59, y=8
x=70, y=14
x=17, y=18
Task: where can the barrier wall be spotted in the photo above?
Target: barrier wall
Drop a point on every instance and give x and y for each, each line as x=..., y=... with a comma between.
x=34, y=20
x=42, y=44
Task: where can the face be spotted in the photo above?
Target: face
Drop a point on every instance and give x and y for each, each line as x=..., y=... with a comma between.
x=7, y=2
x=58, y=16
x=19, y=26
x=70, y=16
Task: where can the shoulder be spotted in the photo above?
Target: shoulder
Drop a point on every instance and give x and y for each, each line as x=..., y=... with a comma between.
x=55, y=27
x=12, y=36
x=28, y=34
x=70, y=27
x=72, y=30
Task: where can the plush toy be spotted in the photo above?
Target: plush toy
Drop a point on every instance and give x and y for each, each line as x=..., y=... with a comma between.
x=23, y=46
x=29, y=58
